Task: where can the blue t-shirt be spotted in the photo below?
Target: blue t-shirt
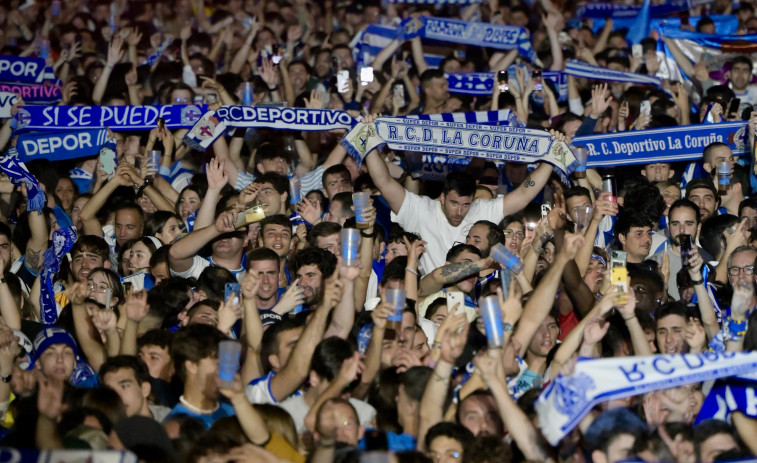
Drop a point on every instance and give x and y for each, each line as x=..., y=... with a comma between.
x=224, y=410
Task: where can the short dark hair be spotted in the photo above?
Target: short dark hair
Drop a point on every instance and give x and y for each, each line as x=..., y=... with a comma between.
x=324, y=260
x=414, y=381
x=711, y=236
x=708, y=428
x=751, y=203
x=212, y=281
x=629, y=219
x=276, y=219
x=741, y=59
x=267, y=151
x=194, y=343
x=269, y=345
x=430, y=74
x=329, y=355
x=156, y=337
x=670, y=308
x=261, y=255
x=134, y=207
x=113, y=364
x=321, y=230
x=336, y=169
x=685, y=203
x=278, y=181
x=345, y=199
x=461, y=182
x=453, y=431
x=577, y=191
x=459, y=249
x=157, y=220
x=93, y=244
x=394, y=270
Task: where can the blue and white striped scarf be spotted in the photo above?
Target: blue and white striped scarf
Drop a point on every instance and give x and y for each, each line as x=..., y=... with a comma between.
x=18, y=173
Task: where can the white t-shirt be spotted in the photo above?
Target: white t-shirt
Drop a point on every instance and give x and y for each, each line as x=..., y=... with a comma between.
x=298, y=409
x=199, y=264
x=424, y=216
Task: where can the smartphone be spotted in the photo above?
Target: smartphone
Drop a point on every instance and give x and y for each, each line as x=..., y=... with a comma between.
x=211, y=98
x=455, y=297
x=646, y=107
x=684, y=241
x=536, y=78
x=545, y=208
x=233, y=291
x=375, y=440
x=733, y=108
x=637, y=51
x=161, y=124
x=399, y=95
x=108, y=161
x=108, y=298
x=199, y=99
x=343, y=81
x=502, y=80
x=276, y=56
x=618, y=271
x=366, y=76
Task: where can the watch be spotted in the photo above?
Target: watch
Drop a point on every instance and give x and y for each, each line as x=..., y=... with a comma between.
x=6, y=378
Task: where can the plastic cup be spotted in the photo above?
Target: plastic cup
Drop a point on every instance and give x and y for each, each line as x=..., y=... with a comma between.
x=491, y=315
x=153, y=157
x=581, y=217
x=581, y=155
x=506, y=258
x=395, y=298
x=228, y=361
x=360, y=201
x=247, y=94
x=350, y=243
x=295, y=190
x=724, y=177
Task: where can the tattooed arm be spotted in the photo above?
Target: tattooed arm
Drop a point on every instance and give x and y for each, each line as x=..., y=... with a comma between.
x=451, y=273
x=519, y=198
x=37, y=244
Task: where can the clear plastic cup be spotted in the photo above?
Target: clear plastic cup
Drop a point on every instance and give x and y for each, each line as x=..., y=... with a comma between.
x=153, y=158
x=581, y=155
x=229, y=353
x=506, y=258
x=491, y=315
x=350, y=244
x=360, y=201
x=396, y=299
x=724, y=177
x=295, y=190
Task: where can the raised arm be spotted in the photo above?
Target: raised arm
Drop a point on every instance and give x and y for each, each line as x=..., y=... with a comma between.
x=115, y=53
x=451, y=273
x=542, y=299
x=251, y=421
x=706, y=309
x=182, y=252
x=89, y=212
x=519, y=198
x=253, y=328
x=390, y=189
x=296, y=370
x=217, y=179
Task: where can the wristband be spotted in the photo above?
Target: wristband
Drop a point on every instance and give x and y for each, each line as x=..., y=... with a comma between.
x=367, y=235
x=697, y=282
x=411, y=271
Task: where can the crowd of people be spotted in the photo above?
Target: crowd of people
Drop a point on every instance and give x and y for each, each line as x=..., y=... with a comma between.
x=118, y=293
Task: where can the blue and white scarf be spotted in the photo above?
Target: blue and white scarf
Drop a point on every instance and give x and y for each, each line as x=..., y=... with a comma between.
x=63, y=241
x=7, y=100
x=155, y=56
x=34, y=93
x=25, y=69
x=370, y=41
x=504, y=143
x=567, y=399
x=619, y=10
x=59, y=146
x=716, y=49
x=18, y=173
x=436, y=2
x=113, y=117
x=728, y=396
x=482, y=83
x=669, y=144
x=478, y=34
x=577, y=68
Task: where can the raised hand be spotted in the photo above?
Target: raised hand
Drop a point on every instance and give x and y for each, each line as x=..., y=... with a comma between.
x=595, y=329
x=77, y=292
x=249, y=193
x=115, y=51
x=601, y=98
x=453, y=332
x=309, y=210
x=226, y=222
x=217, y=176
x=250, y=285
x=380, y=314
x=136, y=306
x=292, y=297
x=228, y=313
x=332, y=294
x=315, y=101
x=105, y=320
x=603, y=206
x=571, y=244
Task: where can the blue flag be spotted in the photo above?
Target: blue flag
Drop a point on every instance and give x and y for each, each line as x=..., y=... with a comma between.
x=640, y=28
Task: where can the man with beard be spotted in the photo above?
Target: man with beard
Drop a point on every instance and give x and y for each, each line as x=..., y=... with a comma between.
x=683, y=218
x=312, y=266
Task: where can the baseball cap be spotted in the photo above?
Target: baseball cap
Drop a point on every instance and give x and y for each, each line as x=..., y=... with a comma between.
x=698, y=183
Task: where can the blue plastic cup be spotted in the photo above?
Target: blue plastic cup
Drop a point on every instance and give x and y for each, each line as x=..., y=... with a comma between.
x=350, y=243
x=361, y=200
x=229, y=353
x=295, y=190
x=506, y=258
x=491, y=315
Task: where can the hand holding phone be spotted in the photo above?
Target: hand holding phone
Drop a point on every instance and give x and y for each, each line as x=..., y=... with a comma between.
x=233, y=291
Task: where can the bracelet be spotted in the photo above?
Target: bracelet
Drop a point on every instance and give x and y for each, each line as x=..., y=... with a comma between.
x=273, y=89
x=411, y=271
x=697, y=282
x=629, y=318
x=507, y=327
x=436, y=345
x=367, y=235
x=143, y=186
x=439, y=377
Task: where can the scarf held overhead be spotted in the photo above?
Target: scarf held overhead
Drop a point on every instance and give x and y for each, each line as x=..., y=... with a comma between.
x=112, y=117
x=503, y=143
x=567, y=399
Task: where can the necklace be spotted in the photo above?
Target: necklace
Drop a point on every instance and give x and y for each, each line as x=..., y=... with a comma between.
x=200, y=411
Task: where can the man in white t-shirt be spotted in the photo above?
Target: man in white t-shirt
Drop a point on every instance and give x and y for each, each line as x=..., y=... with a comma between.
x=446, y=221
